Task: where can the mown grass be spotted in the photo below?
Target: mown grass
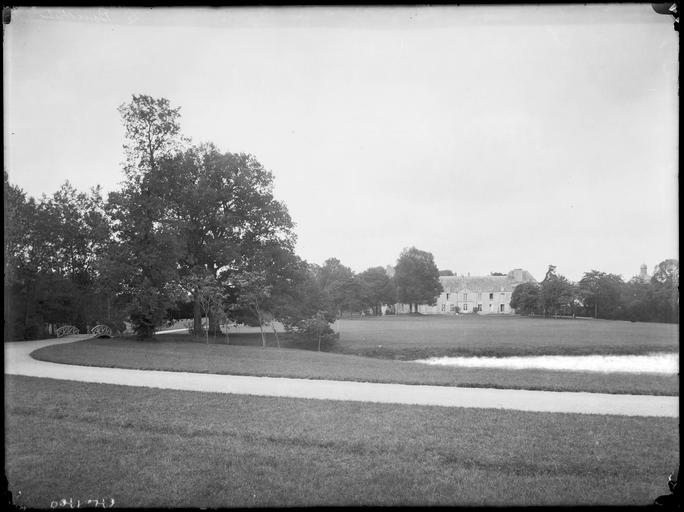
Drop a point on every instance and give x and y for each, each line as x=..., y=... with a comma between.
x=161, y=448
x=178, y=352
x=418, y=337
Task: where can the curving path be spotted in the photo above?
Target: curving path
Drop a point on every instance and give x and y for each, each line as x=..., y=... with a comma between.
x=19, y=362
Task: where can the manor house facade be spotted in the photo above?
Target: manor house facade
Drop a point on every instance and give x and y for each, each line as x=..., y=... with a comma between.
x=465, y=293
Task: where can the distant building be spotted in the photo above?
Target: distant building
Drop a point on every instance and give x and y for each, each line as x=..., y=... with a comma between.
x=489, y=294
x=643, y=274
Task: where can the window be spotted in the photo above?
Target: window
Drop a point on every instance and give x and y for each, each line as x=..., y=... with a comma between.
x=502, y=308
x=465, y=307
x=447, y=296
x=491, y=296
x=479, y=296
x=503, y=294
x=452, y=307
x=465, y=296
x=490, y=307
x=479, y=307
x=443, y=307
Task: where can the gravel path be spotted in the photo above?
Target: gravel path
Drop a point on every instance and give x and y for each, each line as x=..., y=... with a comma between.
x=19, y=362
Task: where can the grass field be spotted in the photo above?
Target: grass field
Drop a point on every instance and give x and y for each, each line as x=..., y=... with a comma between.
x=178, y=352
x=160, y=448
x=417, y=337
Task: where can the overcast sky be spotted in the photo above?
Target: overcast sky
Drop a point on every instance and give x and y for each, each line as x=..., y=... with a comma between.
x=494, y=137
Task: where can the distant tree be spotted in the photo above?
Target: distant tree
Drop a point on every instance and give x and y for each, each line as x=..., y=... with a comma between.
x=557, y=294
x=665, y=283
x=337, y=282
x=445, y=273
x=496, y=274
x=417, y=278
x=526, y=298
x=638, y=301
x=379, y=289
x=602, y=294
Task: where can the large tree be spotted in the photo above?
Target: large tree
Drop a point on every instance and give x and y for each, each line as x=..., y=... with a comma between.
x=417, y=278
x=222, y=208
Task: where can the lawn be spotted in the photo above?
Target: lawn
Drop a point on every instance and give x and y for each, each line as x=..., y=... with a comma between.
x=417, y=337
x=160, y=448
x=178, y=352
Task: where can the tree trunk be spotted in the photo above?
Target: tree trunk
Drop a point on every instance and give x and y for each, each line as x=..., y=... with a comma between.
x=276, y=334
x=197, y=314
x=319, y=341
x=213, y=326
x=261, y=324
x=261, y=328
x=26, y=312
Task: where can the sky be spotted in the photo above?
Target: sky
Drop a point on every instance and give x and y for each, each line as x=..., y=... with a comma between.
x=494, y=137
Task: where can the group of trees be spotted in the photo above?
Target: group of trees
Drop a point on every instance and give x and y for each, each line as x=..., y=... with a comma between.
x=192, y=229
x=415, y=281
x=191, y=232
x=604, y=295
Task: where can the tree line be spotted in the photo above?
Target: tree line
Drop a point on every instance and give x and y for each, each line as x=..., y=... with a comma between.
x=192, y=232
x=604, y=295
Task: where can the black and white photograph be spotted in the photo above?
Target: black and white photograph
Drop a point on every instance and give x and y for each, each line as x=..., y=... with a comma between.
x=311, y=256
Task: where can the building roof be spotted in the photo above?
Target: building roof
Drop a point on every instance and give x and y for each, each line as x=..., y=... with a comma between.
x=486, y=284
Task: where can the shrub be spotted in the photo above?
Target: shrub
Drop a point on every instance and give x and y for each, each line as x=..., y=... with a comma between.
x=316, y=331
x=147, y=312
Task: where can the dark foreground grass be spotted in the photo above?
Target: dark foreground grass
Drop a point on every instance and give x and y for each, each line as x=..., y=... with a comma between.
x=162, y=448
x=177, y=352
x=418, y=337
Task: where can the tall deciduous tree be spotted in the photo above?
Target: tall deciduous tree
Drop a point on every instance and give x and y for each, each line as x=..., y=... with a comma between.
x=221, y=205
x=417, y=278
x=147, y=248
